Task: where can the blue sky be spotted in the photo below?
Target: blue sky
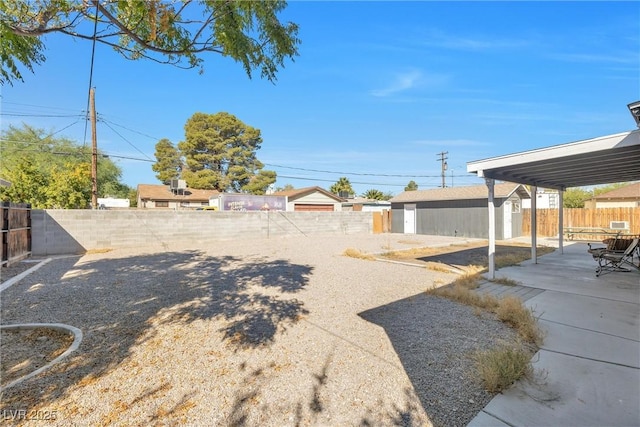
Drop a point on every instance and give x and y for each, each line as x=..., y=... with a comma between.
x=378, y=91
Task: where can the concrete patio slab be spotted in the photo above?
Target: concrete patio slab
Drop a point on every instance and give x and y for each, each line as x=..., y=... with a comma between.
x=590, y=345
x=571, y=392
x=588, y=369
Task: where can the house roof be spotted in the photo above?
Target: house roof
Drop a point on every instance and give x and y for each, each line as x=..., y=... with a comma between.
x=4, y=183
x=502, y=190
x=602, y=160
x=163, y=192
x=301, y=192
x=631, y=191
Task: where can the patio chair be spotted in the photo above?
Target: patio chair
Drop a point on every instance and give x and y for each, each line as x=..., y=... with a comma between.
x=613, y=260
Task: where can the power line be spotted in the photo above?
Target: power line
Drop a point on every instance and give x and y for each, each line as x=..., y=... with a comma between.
x=102, y=119
x=40, y=115
x=354, y=173
x=386, y=184
x=38, y=106
x=127, y=141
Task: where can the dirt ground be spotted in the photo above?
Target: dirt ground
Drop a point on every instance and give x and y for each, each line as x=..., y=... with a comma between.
x=131, y=318
x=25, y=351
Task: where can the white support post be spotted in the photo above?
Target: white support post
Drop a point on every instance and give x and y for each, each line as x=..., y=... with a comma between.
x=534, y=224
x=561, y=221
x=492, y=228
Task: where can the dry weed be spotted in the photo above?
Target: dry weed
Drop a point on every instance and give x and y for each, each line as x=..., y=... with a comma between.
x=504, y=281
x=355, y=253
x=502, y=366
x=512, y=312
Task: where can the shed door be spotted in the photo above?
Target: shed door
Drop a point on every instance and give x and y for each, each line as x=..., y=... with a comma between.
x=507, y=214
x=410, y=219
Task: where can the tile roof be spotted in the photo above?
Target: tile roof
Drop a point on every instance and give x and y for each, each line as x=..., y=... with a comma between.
x=461, y=193
x=301, y=192
x=163, y=192
x=631, y=191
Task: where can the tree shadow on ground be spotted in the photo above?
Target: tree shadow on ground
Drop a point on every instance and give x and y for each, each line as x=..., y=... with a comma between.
x=253, y=403
x=119, y=303
x=438, y=361
x=475, y=256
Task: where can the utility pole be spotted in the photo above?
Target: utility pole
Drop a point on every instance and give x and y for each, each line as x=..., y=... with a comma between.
x=443, y=160
x=94, y=154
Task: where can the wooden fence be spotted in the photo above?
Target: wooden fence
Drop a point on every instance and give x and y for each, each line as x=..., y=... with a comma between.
x=382, y=222
x=547, y=219
x=16, y=231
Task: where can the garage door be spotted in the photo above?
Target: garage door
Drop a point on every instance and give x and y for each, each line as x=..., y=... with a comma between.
x=312, y=208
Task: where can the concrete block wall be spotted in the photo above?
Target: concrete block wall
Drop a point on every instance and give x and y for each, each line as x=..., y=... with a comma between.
x=57, y=232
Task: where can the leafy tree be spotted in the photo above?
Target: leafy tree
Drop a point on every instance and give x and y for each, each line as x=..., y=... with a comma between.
x=168, y=162
x=177, y=33
x=52, y=172
x=343, y=185
x=259, y=184
x=388, y=196
x=411, y=186
x=28, y=183
x=373, y=194
x=68, y=186
x=610, y=187
x=287, y=187
x=15, y=50
x=220, y=154
x=575, y=197
x=133, y=198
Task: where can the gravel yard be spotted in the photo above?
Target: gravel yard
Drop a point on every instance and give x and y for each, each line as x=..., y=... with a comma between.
x=273, y=332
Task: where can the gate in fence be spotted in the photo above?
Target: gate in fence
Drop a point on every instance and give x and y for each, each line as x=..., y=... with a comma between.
x=16, y=231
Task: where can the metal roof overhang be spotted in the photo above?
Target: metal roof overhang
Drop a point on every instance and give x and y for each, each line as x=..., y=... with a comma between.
x=603, y=160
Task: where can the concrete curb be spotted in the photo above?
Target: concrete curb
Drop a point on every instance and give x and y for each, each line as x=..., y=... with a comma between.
x=77, y=339
x=22, y=275
x=410, y=264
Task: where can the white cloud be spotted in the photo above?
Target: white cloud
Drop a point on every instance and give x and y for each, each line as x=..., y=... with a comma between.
x=440, y=39
x=410, y=80
x=400, y=83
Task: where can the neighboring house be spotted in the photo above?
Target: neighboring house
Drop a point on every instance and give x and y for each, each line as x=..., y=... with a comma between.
x=545, y=199
x=4, y=183
x=163, y=197
x=459, y=211
x=360, y=204
x=311, y=199
x=623, y=197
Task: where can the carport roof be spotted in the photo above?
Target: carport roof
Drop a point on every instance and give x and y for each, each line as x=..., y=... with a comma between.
x=602, y=160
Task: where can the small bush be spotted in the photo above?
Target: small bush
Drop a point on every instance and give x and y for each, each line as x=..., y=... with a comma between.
x=501, y=367
x=511, y=311
x=461, y=293
x=355, y=253
x=468, y=280
x=438, y=266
